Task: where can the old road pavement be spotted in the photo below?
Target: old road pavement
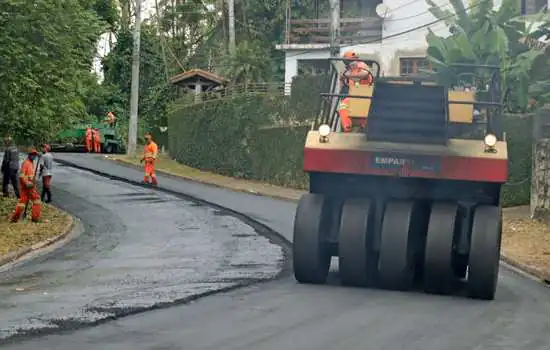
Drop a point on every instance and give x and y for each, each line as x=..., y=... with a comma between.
x=282, y=314
x=138, y=249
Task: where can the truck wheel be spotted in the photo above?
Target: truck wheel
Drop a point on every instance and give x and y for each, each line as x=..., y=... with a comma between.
x=310, y=251
x=438, y=267
x=358, y=262
x=485, y=252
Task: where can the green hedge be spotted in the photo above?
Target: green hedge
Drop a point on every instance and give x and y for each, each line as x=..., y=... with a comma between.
x=518, y=134
x=236, y=137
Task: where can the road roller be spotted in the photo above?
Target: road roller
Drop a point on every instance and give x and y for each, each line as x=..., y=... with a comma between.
x=410, y=197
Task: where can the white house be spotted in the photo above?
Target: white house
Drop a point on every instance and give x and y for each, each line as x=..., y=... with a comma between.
x=367, y=32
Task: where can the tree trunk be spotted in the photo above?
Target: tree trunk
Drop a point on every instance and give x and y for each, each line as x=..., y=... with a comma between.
x=540, y=171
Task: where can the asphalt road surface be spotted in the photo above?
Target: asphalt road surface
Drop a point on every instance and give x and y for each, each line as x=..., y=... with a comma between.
x=285, y=315
x=140, y=249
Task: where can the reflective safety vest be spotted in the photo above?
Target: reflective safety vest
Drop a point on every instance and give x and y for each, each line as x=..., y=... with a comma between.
x=343, y=105
x=26, y=175
x=150, y=151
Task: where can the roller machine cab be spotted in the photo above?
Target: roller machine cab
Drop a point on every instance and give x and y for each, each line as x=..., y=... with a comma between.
x=413, y=198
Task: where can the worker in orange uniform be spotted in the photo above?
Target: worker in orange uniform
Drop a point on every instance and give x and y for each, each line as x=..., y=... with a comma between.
x=28, y=189
x=356, y=73
x=89, y=140
x=97, y=141
x=111, y=119
x=150, y=153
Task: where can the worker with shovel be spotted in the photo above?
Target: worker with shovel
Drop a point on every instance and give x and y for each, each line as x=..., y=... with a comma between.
x=29, y=193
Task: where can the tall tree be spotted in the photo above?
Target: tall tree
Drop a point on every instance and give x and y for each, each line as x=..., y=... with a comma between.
x=46, y=65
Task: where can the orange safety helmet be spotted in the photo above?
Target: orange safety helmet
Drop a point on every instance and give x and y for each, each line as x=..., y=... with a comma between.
x=349, y=54
x=33, y=151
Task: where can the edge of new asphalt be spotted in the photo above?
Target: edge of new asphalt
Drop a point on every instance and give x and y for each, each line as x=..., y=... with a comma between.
x=507, y=261
x=76, y=228
x=273, y=236
x=72, y=230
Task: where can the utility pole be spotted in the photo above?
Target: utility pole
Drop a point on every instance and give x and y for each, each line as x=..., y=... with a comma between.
x=231, y=12
x=334, y=27
x=133, y=125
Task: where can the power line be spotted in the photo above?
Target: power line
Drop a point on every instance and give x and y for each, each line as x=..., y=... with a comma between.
x=405, y=31
x=415, y=15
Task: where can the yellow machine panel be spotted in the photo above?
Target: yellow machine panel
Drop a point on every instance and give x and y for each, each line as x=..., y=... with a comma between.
x=459, y=113
x=359, y=107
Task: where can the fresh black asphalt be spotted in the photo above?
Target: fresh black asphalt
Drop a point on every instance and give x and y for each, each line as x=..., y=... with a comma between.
x=282, y=314
x=140, y=249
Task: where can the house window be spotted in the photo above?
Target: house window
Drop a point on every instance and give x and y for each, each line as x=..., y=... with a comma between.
x=413, y=65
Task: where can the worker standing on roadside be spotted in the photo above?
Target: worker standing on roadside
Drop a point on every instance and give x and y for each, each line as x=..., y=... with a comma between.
x=10, y=166
x=27, y=181
x=89, y=140
x=46, y=167
x=97, y=141
x=150, y=153
x=356, y=73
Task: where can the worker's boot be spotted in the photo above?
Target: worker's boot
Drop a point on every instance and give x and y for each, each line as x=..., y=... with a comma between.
x=19, y=209
x=154, y=181
x=36, y=211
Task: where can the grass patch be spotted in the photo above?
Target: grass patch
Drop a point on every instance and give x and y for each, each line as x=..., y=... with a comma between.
x=172, y=167
x=15, y=236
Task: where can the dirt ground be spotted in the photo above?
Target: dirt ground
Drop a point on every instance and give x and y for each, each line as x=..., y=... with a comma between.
x=525, y=242
x=15, y=236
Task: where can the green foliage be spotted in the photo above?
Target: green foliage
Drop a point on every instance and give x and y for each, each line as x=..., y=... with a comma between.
x=486, y=36
x=234, y=137
x=306, y=95
x=45, y=66
x=155, y=92
x=518, y=134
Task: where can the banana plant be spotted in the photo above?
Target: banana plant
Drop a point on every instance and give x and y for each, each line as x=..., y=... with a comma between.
x=481, y=35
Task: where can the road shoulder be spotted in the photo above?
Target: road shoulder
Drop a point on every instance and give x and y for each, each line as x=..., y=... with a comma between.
x=525, y=243
x=25, y=239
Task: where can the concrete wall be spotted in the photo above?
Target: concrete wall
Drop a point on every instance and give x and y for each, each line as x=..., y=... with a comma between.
x=291, y=62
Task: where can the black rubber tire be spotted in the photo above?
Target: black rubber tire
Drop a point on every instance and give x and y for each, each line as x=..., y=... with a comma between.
x=484, y=261
x=108, y=149
x=396, y=260
x=357, y=261
x=310, y=250
x=460, y=267
x=438, y=258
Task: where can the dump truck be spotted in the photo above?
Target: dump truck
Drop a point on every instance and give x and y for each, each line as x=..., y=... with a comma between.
x=74, y=138
x=412, y=199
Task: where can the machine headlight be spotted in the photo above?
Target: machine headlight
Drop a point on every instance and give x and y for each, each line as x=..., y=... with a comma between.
x=324, y=130
x=490, y=140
